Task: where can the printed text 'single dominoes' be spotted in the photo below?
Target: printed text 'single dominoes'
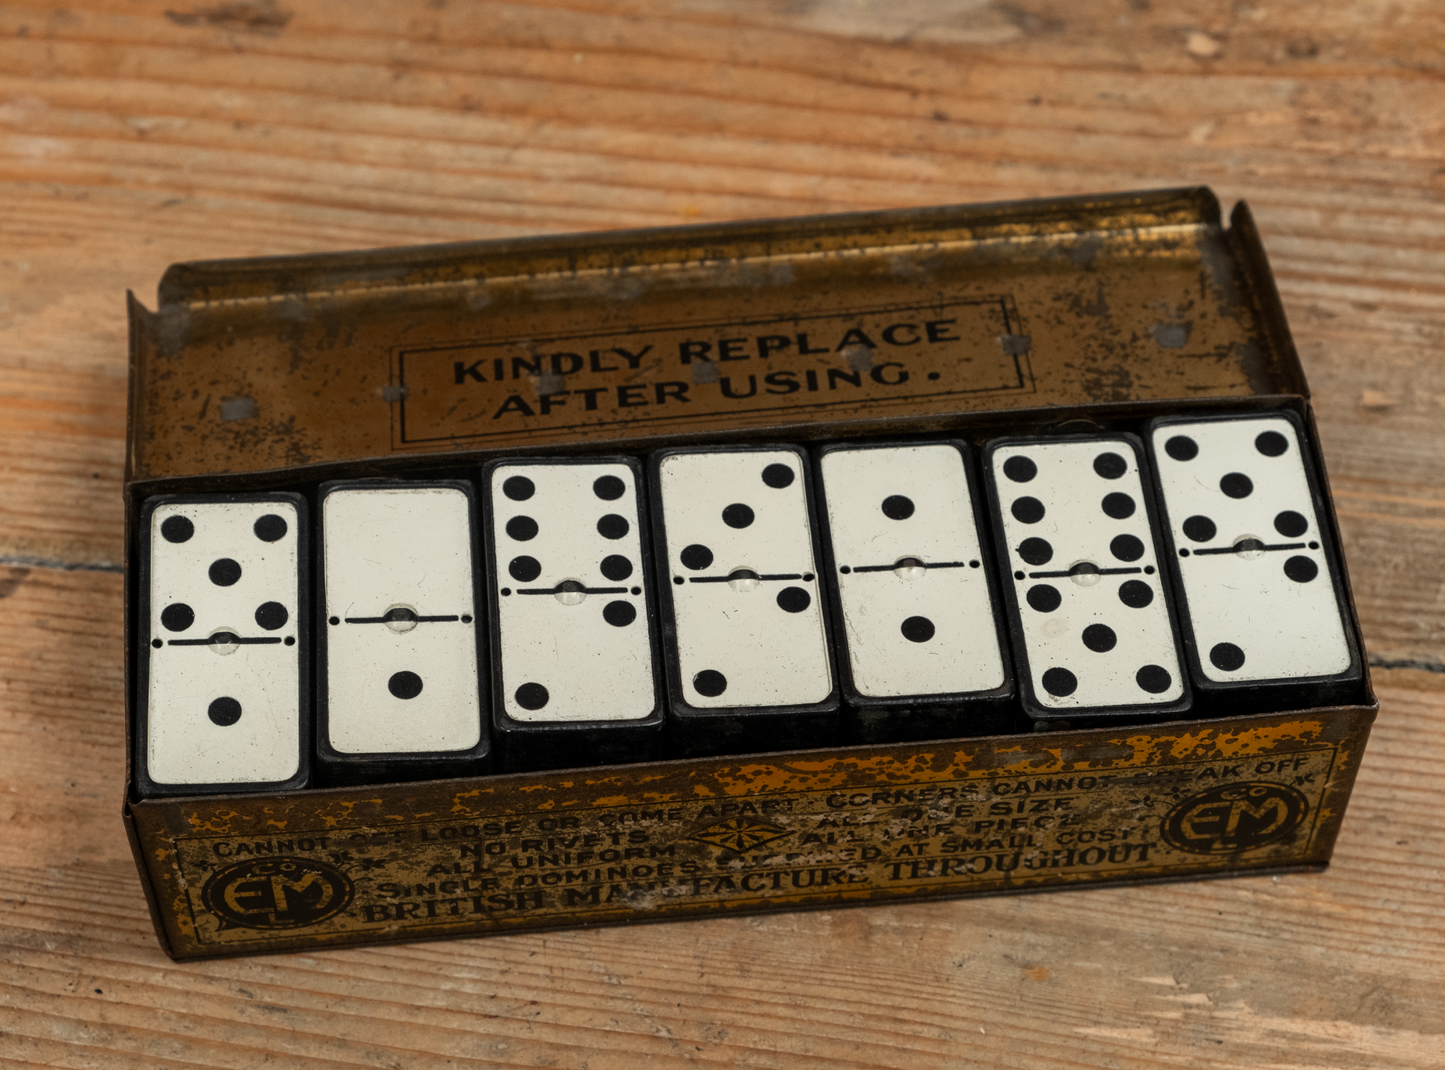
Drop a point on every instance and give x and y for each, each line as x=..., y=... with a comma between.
x=1093, y=628
x=223, y=700
x=914, y=600
x=401, y=682
x=575, y=675
x=1262, y=599
x=748, y=645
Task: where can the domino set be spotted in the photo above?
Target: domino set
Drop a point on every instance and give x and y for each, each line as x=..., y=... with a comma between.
x=574, y=580
x=780, y=602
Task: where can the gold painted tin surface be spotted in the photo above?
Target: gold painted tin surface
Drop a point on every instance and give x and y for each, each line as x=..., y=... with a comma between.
x=247, y=874
x=900, y=319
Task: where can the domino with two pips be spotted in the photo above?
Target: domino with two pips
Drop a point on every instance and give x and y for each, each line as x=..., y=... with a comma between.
x=1261, y=590
x=577, y=679
x=401, y=667
x=916, y=613
x=223, y=700
x=746, y=632
x=1092, y=619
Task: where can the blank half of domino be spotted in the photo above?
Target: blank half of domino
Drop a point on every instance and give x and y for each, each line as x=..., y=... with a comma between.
x=400, y=666
x=919, y=627
x=223, y=703
x=1262, y=600
x=576, y=675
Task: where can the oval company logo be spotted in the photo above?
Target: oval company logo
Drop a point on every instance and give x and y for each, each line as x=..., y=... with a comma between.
x=277, y=893
x=1235, y=817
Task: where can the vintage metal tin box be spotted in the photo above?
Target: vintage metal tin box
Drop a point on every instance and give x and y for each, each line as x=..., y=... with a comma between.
x=965, y=323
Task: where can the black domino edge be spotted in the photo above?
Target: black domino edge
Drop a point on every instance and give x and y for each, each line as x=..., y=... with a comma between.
x=339, y=769
x=145, y=786
x=1254, y=696
x=525, y=746
x=696, y=732
x=1044, y=716
x=908, y=718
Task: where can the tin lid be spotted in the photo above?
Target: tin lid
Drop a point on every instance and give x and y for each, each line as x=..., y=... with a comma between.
x=807, y=327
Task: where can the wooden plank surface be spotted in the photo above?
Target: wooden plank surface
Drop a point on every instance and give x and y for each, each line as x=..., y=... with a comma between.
x=134, y=134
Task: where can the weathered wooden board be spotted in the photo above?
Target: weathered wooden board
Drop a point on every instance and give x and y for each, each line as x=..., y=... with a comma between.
x=133, y=135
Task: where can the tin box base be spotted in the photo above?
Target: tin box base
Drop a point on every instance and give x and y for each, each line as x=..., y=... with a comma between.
x=662, y=841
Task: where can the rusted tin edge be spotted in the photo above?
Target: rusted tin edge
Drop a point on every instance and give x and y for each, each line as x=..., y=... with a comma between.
x=1243, y=236
x=262, y=278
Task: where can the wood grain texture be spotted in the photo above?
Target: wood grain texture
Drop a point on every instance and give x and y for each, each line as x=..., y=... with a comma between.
x=134, y=134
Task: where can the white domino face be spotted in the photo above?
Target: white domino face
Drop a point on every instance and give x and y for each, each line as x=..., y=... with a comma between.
x=748, y=618
x=223, y=703
x=572, y=603
x=1257, y=587
x=401, y=647
x=915, y=602
x=1091, y=598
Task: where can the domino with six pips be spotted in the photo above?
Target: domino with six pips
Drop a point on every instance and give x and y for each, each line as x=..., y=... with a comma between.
x=736, y=599
x=1092, y=619
x=576, y=677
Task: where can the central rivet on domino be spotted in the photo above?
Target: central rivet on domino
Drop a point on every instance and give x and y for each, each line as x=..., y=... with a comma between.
x=743, y=579
x=571, y=592
x=909, y=568
x=223, y=642
x=1249, y=546
x=399, y=619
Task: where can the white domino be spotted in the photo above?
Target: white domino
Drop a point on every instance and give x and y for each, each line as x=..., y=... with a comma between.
x=1258, y=591
x=1092, y=606
x=401, y=647
x=223, y=698
x=918, y=617
x=573, y=630
x=747, y=614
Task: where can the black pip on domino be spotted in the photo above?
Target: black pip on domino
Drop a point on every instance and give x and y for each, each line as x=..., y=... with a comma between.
x=401, y=693
x=576, y=676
